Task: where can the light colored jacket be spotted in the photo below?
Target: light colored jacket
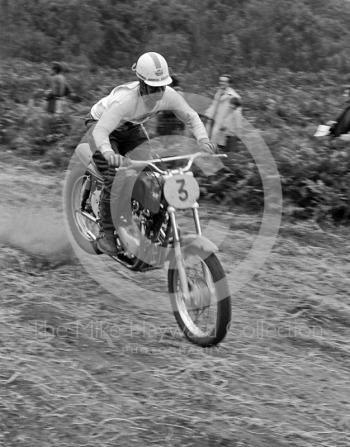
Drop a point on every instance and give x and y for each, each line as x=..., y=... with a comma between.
x=218, y=113
x=232, y=125
x=125, y=104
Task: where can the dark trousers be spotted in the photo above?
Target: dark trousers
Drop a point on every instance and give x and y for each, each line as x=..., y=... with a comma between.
x=122, y=142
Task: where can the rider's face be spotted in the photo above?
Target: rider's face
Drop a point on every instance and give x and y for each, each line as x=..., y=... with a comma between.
x=151, y=95
x=223, y=82
x=155, y=92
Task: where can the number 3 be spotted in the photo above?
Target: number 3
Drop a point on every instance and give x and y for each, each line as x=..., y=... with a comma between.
x=183, y=193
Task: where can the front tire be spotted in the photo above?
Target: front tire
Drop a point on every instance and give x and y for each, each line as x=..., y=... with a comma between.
x=207, y=293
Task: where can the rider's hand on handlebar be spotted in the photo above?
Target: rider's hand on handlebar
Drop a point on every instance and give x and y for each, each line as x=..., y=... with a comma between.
x=112, y=158
x=115, y=160
x=207, y=146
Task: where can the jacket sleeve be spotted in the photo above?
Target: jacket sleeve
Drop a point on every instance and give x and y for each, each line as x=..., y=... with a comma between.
x=177, y=104
x=108, y=122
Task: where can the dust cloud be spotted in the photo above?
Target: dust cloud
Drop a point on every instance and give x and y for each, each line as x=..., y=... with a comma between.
x=40, y=233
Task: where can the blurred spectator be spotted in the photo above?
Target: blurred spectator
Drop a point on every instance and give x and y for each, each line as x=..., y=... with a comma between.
x=59, y=90
x=341, y=126
x=271, y=105
x=167, y=122
x=230, y=132
x=224, y=116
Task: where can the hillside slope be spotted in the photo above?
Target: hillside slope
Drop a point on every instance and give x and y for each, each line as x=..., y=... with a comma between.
x=80, y=367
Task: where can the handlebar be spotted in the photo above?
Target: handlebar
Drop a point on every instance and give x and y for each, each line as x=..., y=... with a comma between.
x=190, y=158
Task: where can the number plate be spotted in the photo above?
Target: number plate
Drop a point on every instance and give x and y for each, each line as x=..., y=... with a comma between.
x=181, y=191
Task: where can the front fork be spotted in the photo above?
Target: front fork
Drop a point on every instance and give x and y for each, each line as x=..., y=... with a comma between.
x=199, y=233
x=179, y=259
x=196, y=219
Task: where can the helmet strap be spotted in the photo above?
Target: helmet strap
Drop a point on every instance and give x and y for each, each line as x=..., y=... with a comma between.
x=143, y=88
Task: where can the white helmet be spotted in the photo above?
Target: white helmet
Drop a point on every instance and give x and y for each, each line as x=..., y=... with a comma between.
x=152, y=69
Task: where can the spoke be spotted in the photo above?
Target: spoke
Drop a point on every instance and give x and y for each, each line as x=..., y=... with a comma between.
x=199, y=309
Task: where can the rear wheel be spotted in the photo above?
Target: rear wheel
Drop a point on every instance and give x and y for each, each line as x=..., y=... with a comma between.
x=204, y=316
x=81, y=229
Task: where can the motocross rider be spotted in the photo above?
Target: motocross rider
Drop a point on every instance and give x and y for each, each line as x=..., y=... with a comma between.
x=115, y=127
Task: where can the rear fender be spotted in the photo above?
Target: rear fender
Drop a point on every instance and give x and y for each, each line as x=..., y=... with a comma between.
x=84, y=153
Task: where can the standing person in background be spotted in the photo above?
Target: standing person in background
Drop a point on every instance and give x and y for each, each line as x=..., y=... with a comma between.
x=341, y=127
x=226, y=103
x=231, y=129
x=59, y=89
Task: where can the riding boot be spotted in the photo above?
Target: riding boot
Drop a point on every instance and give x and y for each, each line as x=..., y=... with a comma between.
x=106, y=243
x=85, y=203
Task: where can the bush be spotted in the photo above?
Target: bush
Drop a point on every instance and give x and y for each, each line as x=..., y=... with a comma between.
x=286, y=107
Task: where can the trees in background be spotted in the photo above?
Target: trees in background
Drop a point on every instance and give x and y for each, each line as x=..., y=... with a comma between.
x=293, y=52
x=301, y=35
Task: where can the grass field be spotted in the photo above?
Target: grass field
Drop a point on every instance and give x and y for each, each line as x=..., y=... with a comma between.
x=80, y=367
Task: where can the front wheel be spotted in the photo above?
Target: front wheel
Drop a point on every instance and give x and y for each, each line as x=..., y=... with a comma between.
x=204, y=316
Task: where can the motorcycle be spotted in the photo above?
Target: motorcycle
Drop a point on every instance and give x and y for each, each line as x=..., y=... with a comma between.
x=197, y=284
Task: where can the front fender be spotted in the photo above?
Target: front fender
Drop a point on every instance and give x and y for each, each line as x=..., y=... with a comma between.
x=193, y=243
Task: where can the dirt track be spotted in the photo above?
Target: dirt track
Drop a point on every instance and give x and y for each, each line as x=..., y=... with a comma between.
x=80, y=367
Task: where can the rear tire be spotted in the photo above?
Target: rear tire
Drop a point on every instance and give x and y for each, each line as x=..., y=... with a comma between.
x=222, y=302
x=72, y=201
